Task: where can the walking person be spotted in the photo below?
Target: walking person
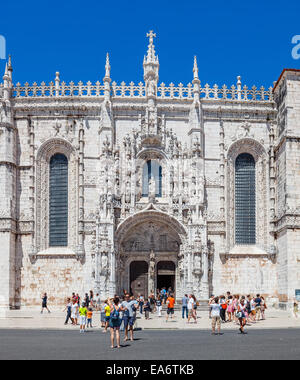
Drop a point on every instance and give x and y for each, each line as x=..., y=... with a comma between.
x=114, y=322
x=170, y=303
x=191, y=309
x=128, y=306
x=215, y=316
x=82, y=317
x=45, y=303
x=258, y=306
x=159, y=306
x=241, y=315
x=68, y=308
x=74, y=312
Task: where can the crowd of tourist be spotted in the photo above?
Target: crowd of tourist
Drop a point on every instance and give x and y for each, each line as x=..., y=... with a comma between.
x=120, y=312
x=241, y=310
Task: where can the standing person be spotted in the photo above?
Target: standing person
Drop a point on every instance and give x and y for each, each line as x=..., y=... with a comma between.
x=115, y=321
x=211, y=300
x=223, y=305
x=89, y=318
x=263, y=307
x=191, y=309
x=195, y=306
x=230, y=308
x=128, y=306
x=215, y=315
x=253, y=309
x=69, y=310
x=152, y=302
x=147, y=309
x=102, y=313
x=98, y=302
x=170, y=303
x=74, y=312
x=241, y=315
x=92, y=301
x=82, y=316
x=45, y=303
x=295, y=309
x=185, y=301
x=159, y=306
x=258, y=306
x=87, y=300
x=107, y=315
x=141, y=303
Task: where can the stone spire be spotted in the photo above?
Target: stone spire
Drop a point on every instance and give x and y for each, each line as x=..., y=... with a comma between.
x=107, y=79
x=195, y=69
x=107, y=68
x=151, y=65
x=9, y=68
x=196, y=81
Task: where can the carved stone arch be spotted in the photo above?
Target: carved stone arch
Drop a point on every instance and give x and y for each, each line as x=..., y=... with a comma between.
x=44, y=154
x=151, y=215
x=253, y=147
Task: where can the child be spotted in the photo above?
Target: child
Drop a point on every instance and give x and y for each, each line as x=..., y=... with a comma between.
x=89, y=317
x=83, y=314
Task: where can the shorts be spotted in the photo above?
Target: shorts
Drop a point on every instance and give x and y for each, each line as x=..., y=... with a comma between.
x=82, y=320
x=216, y=321
x=170, y=311
x=115, y=323
x=107, y=318
x=128, y=321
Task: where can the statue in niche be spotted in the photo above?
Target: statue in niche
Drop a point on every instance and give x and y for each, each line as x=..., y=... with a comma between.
x=152, y=271
x=152, y=190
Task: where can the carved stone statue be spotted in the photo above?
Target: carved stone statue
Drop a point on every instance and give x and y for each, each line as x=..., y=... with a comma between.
x=152, y=190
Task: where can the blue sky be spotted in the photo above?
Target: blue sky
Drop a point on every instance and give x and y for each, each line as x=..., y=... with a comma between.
x=230, y=38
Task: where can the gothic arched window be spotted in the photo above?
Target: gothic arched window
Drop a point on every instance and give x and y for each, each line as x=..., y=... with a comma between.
x=153, y=170
x=58, y=201
x=245, y=213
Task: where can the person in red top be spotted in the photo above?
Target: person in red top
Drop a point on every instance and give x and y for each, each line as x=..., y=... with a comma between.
x=170, y=303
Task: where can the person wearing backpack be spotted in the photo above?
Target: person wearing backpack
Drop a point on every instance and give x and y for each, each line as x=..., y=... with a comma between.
x=114, y=321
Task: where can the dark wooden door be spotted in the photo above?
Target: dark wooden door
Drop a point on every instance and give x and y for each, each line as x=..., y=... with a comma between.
x=139, y=278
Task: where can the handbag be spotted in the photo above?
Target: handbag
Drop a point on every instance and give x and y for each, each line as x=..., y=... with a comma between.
x=238, y=314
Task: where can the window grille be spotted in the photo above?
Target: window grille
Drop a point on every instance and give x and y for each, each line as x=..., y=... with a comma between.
x=245, y=213
x=58, y=201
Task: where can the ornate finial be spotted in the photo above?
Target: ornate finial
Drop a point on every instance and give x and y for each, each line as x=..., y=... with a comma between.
x=195, y=69
x=107, y=67
x=151, y=35
x=151, y=58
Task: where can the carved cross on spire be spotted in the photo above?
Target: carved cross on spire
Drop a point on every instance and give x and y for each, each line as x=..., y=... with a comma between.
x=151, y=35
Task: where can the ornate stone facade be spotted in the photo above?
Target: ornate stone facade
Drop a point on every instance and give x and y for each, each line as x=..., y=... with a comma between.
x=133, y=229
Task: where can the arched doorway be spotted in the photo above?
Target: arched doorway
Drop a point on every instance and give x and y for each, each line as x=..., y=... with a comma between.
x=166, y=275
x=139, y=278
